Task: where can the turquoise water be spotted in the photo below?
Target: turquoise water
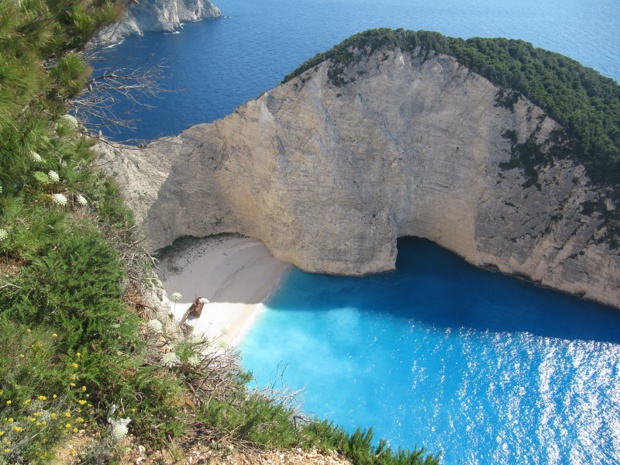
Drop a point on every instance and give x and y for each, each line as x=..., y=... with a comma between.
x=484, y=368
x=220, y=64
x=479, y=366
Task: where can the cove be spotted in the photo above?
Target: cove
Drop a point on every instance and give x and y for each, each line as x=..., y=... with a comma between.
x=482, y=367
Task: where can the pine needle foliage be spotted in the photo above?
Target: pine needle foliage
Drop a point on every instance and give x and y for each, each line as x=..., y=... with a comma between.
x=39, y=71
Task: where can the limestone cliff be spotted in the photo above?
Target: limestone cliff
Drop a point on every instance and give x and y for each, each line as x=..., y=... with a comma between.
x=157, y=16
x=328, y=176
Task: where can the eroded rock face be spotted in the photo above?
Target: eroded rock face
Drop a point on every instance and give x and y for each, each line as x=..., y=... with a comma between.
x=157, y=16
x=328, y=177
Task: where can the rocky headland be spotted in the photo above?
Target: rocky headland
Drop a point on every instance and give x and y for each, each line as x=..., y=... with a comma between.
x=350, y=153
x=157, y=16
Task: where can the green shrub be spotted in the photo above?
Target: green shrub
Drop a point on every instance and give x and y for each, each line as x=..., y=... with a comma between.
x=38, y=404
x=358, y=447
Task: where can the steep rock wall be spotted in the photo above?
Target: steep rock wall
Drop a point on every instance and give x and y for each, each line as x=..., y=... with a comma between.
x=329, y=176
x=157, y=16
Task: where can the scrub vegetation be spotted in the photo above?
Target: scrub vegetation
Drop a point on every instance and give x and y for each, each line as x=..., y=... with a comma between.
x=585, y=103
x=88, y=368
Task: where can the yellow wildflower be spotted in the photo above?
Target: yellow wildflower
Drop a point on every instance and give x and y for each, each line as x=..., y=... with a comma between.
x=27, y=401
x=1, y=392
x=53, y=416
x=32, y=419
x=79, y=420
x=6, y=441
x=73, y=378
x=78, y=354
x=43, y=423
x=17, y=429
x=21, y=355
x=68, y=414
x=81, y=402
x=83, y=388
x=75, y=430
x=6, y=451
x=9, y=402
x=74, y=365
x=54, y=396
x=1, y=433
x=54, y=335
x=72, y=384
x=28, y=330
x=10, y=420
x=68, y=425
x=42, y=398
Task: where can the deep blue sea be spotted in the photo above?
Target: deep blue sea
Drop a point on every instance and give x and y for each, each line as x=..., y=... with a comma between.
x=218, y=65
x=483, y=368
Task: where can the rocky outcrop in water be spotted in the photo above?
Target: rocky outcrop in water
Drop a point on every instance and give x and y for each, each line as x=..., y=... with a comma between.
x=328, y=173
x=157, y=16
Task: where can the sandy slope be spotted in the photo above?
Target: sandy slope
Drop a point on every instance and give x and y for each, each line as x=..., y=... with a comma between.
x=235, y=273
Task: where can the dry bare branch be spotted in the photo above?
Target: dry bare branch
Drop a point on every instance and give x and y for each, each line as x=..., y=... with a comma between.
x=129, y=81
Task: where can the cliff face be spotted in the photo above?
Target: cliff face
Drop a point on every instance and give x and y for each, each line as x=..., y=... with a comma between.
x=329, y=176
x=158, y=16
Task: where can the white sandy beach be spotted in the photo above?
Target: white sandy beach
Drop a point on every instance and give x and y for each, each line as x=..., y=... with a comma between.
x=236, y=274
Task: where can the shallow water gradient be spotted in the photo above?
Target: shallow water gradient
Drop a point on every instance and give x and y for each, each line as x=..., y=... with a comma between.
x=481, y=367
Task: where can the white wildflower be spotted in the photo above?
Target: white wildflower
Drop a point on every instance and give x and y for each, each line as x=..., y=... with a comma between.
x=35, y=157
x=170, y=360
x=70, y=120
x=155, y=326
x=53, y=175
x=3, y=234
x=119, y=428
x=204, y=300
x=176, y=296
x=82, y=200
x=194, y=361
x=59, y=199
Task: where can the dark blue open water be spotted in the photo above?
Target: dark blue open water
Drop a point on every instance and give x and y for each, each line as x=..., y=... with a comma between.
x=483, y=368
x=222, y=64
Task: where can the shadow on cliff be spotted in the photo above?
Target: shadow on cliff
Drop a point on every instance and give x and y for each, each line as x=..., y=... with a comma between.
x=434, y=287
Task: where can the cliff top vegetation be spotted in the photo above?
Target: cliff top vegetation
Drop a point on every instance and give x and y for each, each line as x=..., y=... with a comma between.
x=585, y=103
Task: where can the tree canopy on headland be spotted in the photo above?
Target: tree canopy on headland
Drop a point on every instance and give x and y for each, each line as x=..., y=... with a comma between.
x=584, y=102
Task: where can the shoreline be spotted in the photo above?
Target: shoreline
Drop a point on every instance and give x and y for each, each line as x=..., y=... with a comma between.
x=237, y=274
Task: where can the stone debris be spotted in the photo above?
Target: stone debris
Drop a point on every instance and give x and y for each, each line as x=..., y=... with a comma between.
x=229, y=455
x=295, y=457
